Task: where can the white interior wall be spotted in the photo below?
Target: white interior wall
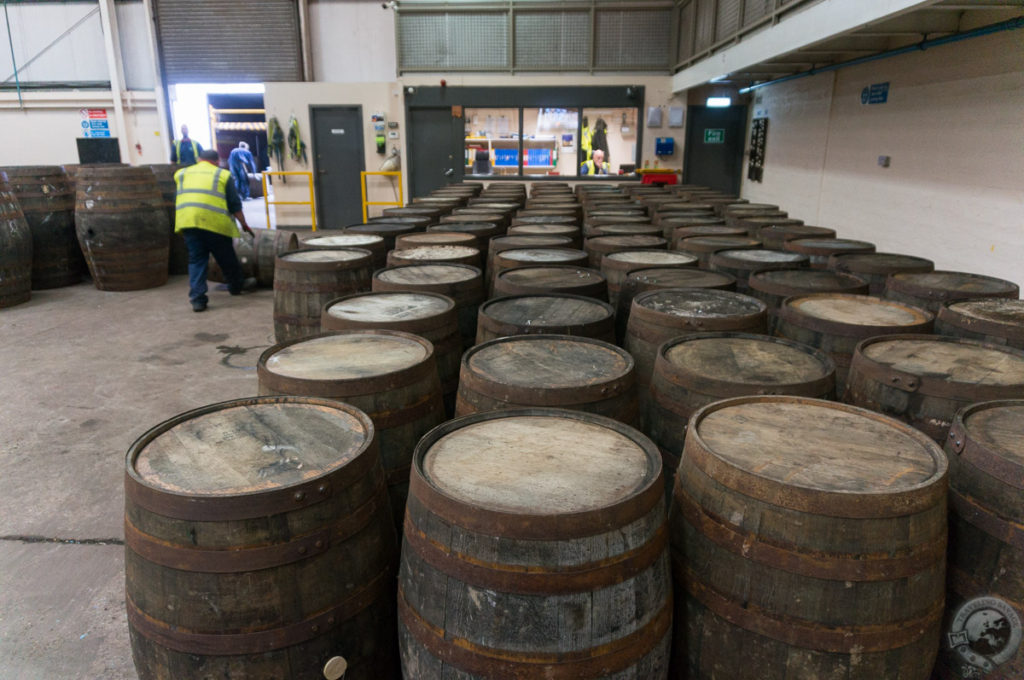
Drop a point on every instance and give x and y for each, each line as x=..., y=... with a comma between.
x=954, y=131
x=133, y=25
x=78, y=56
x=352, y=41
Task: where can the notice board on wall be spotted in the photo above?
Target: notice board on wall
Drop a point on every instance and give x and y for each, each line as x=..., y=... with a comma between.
x=758, y=139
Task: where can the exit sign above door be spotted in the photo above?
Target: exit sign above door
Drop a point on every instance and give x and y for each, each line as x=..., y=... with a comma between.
x=714, y=135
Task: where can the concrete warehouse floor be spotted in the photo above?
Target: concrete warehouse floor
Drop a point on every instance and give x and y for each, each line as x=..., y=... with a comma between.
x=87, y=372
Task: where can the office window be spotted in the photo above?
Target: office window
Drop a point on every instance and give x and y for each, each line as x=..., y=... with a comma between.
x=613, y=130
x=492, y=142
x=549, y=141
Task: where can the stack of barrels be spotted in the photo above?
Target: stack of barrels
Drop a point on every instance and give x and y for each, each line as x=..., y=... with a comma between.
x=668, y=397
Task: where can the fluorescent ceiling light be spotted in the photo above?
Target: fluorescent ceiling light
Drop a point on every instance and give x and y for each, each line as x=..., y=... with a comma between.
x=719, y=102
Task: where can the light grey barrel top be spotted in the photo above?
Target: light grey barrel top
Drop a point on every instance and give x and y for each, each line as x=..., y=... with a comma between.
x=952, y=361
x=346, y=356
x=435, y=252
x=546, y=310
x=999, y=428
x=344, y=240
x=388, y=307
x=759, y=361
x=323, y=256
x=653, y=258
x=425, y=274
x=549, y=362
x=699, y=302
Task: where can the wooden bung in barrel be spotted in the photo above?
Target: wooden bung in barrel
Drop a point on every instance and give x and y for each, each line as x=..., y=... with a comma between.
x=617, y=266
x=547, y=313
x=304, y=280
x=538, y=525
x=993, y=320
x=692, y=371
x=599, y=246
x=810, y=536
x=259, y=542
x=560, y=371
x=389, y=375
x=461, y=282
x=926, y=379
x=931, y=289
x=835, y=323
x=985, y=600
x=555, y=278
x=659, y=315
x=375, y=244
x=820, y=249
x=15, y=250
x=775, y=235
x=743, y=263
x=428, y=315
x=876, y=267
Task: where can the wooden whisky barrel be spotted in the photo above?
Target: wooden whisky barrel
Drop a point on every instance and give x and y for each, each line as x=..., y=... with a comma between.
x=164, y=173
x=925, y=379
x=557, y=371
x=820, y=249
x=122, y=227
x=617, y=266
x=434, y=213
x=599, y=246
x=375, y=244
x=546, y=313
x=305, y=280
x=570, y=231
x=435, y=255
x=259, y=542
x=875, y=268
x=435, y=238
x=658, y=278
x=676, y=232
x=755, y=223
x=810, y=535
x=704, y=246
x=627, y=229
x=389, y=375
x=488, y=492
x=482, y=232
x=985, y=449
x=386, y=230
x=835, y=323
x=774, y=286
x=930, y=290
x=47, y=201
x=461, y=282
x=499, y=244
x=743, y=263
x=775, y=235
x=556, y=278
x=266, y=246
x=994, y=320
x=15, y=250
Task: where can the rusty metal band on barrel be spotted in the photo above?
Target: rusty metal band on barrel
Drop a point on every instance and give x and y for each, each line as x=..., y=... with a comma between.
x=236, y=559
x=964, y=584
x=652, y=330
x=532, y=580
x=796, y=317
x=980, y=517
x=803, y=633
x=797, y=559
x=489, y=662
x=830, y=504
x=263, y=641
x=978, y=455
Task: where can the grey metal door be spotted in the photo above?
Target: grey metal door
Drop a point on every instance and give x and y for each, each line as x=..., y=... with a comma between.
x=436, y=149
x=338, y=158
x=714, y=147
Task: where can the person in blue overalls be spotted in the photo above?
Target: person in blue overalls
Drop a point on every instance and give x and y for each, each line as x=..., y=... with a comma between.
x=241, y=162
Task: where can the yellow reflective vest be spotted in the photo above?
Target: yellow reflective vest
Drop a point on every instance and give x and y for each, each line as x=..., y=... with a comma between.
x=588, y=168
x=177, y=151
x=202, y=201
x=586, y=142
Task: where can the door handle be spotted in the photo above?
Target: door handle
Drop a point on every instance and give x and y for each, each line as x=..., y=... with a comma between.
x=321, y=172
x=449, y=172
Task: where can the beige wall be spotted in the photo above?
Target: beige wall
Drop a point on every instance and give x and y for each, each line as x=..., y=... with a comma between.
x=954, y=129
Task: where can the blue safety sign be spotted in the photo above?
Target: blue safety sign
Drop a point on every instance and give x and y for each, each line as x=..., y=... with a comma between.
x=96, y=133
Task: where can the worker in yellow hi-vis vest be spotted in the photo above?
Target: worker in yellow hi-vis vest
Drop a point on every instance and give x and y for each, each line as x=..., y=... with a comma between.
x=595, y=166
x=586, y=140
x=206, y=208
x=185, y=150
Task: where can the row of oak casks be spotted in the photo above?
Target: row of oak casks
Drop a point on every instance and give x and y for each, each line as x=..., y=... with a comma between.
x=808, y=533
x=113, y=221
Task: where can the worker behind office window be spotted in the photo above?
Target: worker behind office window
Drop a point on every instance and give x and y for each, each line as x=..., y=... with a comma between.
x=185, y=150
x=596, y=165
x=241, y=163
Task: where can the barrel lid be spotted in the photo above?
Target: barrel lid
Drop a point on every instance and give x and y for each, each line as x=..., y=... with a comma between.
x=382, y=228
x=637, y=228
x=942, y=284
x=494, y=205
x=699, y=302
x=543, y=221
x=999, y=311
x=543, y=254
x=435, y=252
x=748, y=359
x=569, y=227
x=681, y=277
x=999, y=427
x=391, y=307
x=718, y=242
x=829, y=245
x=441, y=236
x=551, y=275
x=690, y=229
x=249, y=446
x=819, y=456
x=547, y=362
x=428, y=273
x=653, y=257
x=394, y=222
x=347, y=356
x=634, y=241
x=515, y=241
x=791, y=231
x=761, y=256
x=537, y=465
x=344, y=240
x=881, y=263
x=475, y=219
x=796, y=281
x=948, y=360
x=340, y=255
x=547, y=310
x=858, y=310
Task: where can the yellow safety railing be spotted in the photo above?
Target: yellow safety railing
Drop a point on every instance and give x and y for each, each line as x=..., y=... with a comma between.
x=386, y=173
x=310, y=203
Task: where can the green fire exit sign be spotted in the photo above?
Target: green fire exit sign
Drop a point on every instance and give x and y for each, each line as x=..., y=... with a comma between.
x=714, y=136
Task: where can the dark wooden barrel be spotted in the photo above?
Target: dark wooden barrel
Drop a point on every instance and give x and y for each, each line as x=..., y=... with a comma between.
x=617, y=266
x=704, y=246
x=15, y=250
x=558, y=371
x=164, y=173
x=993, y=320
x=529, y=594
x=985, y=600
x=835, y=323
x=435, y=255
x=417, y=222
x=461, y=282
x=570, y=231
x=626, y=230
x=675, y=232
x=389, y=375
x=497, y=221
x=546, y=313
x=692, y=371
x=267, y=245
x=930, y=290
x=375, y=244
x=755, y=223
x=122, y=228
x=556, y=278
x=48, y=203
x=658, y=278
x=305, y=280
x=499, y=244
x=435, y=238
x=599, y=246
x=876, y=267
x=492, y=206
x=428, y=315
x=820, y=249
x=526, y=256
x=244, y=251
x=522, y=220
x=926, y=379
x=659, y=315
x=774, y=286
x=810, y=536
x=482, y=232
x=416, y=211
x=743, y=263
x=259, y=543
x=387, y=231
x=775, y=235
